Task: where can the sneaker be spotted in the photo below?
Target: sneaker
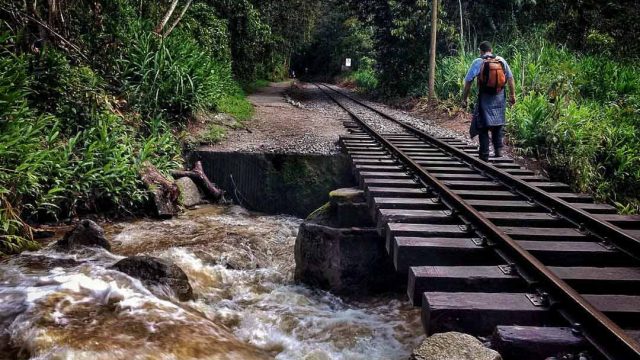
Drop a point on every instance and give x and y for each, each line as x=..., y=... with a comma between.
x=498, y=153
x=484, y=158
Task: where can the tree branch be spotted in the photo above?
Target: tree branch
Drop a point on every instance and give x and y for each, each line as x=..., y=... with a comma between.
x=54, y=33
x=198, y=175
x=184, y=10
x=166, y=17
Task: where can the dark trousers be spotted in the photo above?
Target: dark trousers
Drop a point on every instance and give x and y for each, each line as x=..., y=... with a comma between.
x=497, y=134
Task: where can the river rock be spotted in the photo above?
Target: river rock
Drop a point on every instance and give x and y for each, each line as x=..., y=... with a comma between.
x=12, y=304
x=156, y=272
x=86, y=233
x=453, y=346
x=190, y=194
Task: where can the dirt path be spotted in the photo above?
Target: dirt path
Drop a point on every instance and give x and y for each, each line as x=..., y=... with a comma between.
x=283, y=125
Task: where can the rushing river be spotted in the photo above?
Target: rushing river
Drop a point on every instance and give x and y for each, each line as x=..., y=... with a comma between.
x=57, y=305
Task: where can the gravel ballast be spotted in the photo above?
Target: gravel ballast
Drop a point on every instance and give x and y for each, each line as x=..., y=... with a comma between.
x=298, y=118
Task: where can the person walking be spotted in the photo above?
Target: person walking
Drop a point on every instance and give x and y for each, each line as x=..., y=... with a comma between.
x=493, y=73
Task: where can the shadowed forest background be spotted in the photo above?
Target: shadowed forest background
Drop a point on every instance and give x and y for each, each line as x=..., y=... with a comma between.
x=92, y=91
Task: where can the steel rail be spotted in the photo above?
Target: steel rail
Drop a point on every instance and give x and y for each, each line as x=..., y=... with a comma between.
x=581, y=218
x=601, y=331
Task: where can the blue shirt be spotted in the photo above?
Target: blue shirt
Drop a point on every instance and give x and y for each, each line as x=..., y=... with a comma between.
x=476, y=67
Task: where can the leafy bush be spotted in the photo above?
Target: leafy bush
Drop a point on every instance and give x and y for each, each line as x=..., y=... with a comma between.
x=365, y=77
x=24, y=152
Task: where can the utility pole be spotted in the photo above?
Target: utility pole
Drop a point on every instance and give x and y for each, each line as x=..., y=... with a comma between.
x=432, y=58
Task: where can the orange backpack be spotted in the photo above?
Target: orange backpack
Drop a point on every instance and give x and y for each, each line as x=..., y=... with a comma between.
x=493, y=76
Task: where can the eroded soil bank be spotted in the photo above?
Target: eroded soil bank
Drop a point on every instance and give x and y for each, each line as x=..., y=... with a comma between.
x=240, y=264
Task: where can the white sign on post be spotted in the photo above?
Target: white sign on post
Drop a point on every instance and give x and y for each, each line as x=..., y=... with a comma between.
x=347, y=62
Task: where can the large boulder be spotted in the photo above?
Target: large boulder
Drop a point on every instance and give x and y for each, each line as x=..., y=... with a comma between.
x=164, y=192
x=86, y=233
x=190, y=194
x=453, y=346
x=157, y=273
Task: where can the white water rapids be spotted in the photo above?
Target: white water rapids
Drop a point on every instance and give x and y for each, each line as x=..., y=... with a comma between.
x=71, y=306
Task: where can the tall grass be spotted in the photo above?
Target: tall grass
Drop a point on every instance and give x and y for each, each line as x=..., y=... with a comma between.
x=172, y=76
x=579, y=113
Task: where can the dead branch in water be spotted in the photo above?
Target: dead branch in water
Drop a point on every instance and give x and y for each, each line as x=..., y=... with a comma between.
x=197, y=174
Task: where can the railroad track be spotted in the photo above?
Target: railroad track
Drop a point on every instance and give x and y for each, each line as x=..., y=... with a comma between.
x=495, y=248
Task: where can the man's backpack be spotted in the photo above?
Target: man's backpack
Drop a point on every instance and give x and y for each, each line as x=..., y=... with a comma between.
x=493, y=76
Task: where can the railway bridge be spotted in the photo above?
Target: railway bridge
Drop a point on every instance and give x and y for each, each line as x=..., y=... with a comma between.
x=491, y=247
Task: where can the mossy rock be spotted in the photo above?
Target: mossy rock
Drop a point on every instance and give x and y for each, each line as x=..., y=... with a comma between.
x=321, y=213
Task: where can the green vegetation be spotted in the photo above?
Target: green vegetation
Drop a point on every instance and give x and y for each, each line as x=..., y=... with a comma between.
x=53, y=167
x=578, y=94
x=91, y=91
x=237, y=106
x=214, y=134
x=578, y=112
x=365, y=77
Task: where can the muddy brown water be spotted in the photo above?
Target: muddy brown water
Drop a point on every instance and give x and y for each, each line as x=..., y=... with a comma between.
x=72, y=306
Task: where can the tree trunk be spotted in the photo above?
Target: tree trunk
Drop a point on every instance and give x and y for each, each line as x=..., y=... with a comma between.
x=173, y=25
x=166, y=17
x=165, y=192
x=432, y=57
x=461, y=28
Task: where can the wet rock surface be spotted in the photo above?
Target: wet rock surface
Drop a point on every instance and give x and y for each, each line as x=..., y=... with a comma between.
x=155, y=272
x=86, y=233
x=190, y=194
x=453, y=346
x=12, y=304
